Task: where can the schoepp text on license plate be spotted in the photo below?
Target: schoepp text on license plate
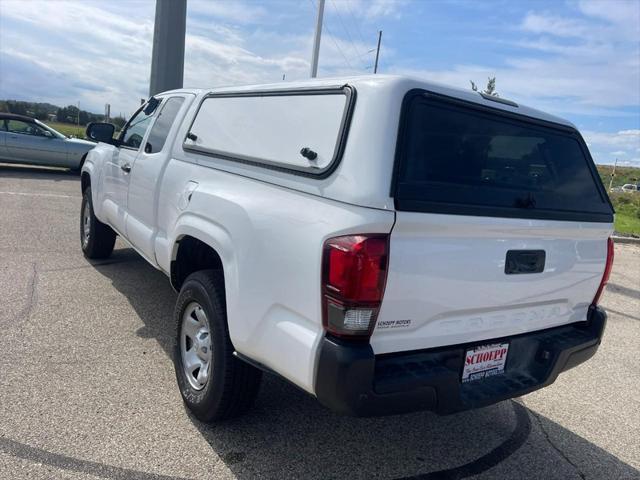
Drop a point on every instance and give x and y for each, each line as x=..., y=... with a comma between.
x=484, y=361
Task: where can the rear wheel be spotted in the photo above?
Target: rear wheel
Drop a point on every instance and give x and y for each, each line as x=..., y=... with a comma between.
x=96, y=238
x=214, y=384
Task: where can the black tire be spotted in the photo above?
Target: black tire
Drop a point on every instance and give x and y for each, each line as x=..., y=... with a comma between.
x=101, y=238
x=232, y=385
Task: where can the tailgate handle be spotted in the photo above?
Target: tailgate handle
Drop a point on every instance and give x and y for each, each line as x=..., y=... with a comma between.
x=524, y=261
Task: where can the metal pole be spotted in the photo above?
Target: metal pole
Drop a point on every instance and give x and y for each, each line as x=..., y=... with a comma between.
x=167, y=61
x=375, y=68
x=613, y=174
x=316, y=40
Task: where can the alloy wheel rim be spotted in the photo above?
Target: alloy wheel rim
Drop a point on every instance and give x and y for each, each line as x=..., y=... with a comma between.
x=86, y=224
x=195, y=346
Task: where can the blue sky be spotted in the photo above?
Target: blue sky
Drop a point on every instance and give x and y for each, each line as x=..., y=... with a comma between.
x=579, y=59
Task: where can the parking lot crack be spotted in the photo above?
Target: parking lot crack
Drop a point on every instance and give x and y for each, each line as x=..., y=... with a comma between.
x=32, y=294
x=556, y=448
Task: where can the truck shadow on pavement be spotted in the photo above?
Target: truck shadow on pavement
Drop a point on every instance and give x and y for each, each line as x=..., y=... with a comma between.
x=289, y=434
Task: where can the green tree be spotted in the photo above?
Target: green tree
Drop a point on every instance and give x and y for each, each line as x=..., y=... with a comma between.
x=489, y=90
x=19, y=108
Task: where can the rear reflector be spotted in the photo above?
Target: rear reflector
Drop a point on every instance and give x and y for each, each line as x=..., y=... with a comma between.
x=607, y=272
x=354, y=273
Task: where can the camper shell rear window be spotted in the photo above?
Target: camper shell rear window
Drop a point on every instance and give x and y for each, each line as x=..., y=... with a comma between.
x=298, y=131
x=456, y=157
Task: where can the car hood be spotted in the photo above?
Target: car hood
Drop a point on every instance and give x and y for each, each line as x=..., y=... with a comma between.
x=79, y=142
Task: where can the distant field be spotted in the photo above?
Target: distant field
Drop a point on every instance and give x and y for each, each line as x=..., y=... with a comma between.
x=623, y=175
x=627, y=205
x=73, y=130
x=68, y=129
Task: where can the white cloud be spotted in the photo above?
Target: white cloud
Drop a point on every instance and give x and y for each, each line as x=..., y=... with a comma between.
x=558, y=26
x=237, y=12
x=584, y=63
x=624, y=14
x=369, y=10
x=86, y=47
x=625, y=142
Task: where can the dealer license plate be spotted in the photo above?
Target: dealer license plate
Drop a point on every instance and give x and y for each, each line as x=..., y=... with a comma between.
x=485, y=361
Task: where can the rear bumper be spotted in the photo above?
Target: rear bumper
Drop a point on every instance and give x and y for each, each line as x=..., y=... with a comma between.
x=351, y=380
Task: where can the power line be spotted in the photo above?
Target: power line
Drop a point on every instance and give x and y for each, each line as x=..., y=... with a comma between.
x=355, y=21
x=344, y=26
x=326, y=24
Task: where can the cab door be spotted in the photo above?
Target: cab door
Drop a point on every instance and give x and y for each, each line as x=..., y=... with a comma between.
x=118, y=168
x=142, y=204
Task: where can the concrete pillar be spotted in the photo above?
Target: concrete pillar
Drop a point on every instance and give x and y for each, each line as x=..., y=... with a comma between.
x=167, y=61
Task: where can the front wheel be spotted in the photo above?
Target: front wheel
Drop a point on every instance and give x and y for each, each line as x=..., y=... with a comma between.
x=215, y=385
x=96, y=238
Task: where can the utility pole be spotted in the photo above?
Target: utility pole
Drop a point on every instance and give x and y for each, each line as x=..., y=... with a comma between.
x=316, y=40
x=167, y=60
x=613, y=174
x=375, y=68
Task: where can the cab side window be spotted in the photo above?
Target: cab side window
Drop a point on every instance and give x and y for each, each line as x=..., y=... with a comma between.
x=136, y=128
x=160, y=129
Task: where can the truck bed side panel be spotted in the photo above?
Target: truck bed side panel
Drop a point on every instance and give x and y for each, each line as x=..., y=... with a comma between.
x=270, y=240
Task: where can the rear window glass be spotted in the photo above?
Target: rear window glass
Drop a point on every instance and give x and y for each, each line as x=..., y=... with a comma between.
x=460, y=160
x=296, y=131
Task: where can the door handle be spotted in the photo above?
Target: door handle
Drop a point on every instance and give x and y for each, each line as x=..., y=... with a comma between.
x=125, y=168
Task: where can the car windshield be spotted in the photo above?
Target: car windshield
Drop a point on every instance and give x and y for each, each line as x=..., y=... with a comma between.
x=55, y=133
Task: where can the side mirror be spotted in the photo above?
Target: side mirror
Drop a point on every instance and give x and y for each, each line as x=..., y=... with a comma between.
x=100, y=132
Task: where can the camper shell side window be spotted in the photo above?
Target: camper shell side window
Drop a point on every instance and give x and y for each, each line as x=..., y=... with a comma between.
x=297, y=131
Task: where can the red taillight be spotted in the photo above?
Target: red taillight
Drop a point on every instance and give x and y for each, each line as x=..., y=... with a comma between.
x=354, y=273
x=606, y=274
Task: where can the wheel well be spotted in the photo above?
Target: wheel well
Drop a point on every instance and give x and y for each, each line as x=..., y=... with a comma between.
x=192, y=255
x=85, y=181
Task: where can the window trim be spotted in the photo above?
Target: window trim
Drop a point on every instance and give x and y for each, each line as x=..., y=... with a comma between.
x=320, y=173
x=427, y=206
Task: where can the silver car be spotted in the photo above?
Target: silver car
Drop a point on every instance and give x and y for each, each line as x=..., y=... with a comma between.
x=26, y=140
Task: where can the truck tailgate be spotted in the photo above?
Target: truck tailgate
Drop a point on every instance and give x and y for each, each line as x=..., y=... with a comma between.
x=447, y=284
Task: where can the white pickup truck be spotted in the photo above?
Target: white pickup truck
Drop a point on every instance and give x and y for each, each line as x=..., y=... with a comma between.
x=385, y=244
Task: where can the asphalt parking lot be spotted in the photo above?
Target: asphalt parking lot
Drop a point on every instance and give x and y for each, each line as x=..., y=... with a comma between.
x=87, y=388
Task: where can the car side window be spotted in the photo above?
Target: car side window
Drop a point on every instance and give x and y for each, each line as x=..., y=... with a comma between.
x=24, y=128
x=161, y=127
x=135, y=129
